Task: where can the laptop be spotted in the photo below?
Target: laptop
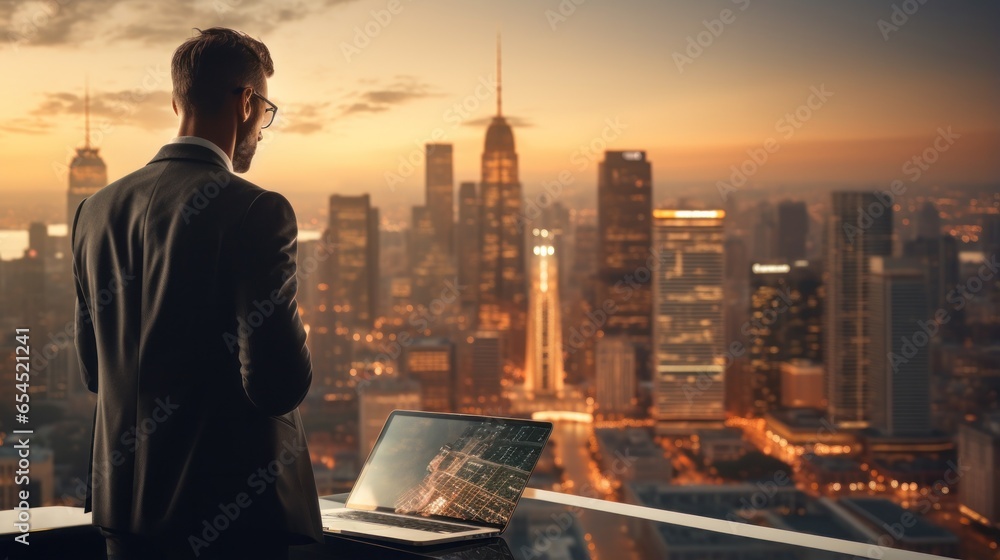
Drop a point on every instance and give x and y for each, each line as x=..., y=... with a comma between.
x=435, y=478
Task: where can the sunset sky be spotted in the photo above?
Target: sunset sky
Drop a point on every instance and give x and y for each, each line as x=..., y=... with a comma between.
x=351, y=110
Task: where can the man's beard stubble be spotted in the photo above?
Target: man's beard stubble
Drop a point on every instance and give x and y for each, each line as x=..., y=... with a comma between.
x=246, y=147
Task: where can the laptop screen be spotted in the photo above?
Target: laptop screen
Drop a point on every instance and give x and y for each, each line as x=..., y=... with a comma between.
x=455, y=467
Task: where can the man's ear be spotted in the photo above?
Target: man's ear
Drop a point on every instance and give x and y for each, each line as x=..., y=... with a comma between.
x=246, y=108
x=173, y=103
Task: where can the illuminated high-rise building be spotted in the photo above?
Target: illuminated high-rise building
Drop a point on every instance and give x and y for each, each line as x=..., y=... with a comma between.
x=899, y=351
x=859, y=227
x=785, y=323
x=544, y=363
x=688, y=341
x=349, y=294
x=502, y=289
x=624, y=230
x=431, y=362
x=440, y=185
x=87, y=172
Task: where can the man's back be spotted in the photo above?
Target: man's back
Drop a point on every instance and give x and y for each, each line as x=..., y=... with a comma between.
x=194, y=347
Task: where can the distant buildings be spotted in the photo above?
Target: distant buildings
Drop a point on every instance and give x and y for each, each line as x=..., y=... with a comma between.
x=688, y=344
x=630, y=455
x=351, y=276
x=624, y=238
x=899, y=348
x=616, y=376
x=859, y=227
x=41, y=489
x=979, y=452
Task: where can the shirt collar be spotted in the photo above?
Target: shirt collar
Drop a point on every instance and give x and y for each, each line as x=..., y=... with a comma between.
x=198, y=140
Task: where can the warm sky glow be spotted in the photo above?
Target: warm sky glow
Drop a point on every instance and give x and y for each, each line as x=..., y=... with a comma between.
x=348, y=122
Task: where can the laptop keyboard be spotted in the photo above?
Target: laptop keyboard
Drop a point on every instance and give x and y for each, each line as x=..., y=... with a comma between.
x=402, y=522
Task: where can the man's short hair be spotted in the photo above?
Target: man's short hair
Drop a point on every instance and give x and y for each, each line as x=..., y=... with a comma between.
x=208, y=67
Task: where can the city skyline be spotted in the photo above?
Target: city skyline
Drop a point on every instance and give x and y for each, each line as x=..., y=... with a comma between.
x=790, y=320
x=371, y=111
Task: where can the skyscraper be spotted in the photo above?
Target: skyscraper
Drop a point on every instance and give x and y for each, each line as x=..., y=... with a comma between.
x=688, y=343
x=480, y=373
x=940, y=259
x=899, y=352
x=786, y=323
x=431, y=362
x=502, y=290
x=793, y=230
x=430, y=266
x=440, y=186
x=467, y=247
x=544, y=362
x=615, y=375
x=979, y=454
x=859, y=227
x=625, y=207
x=87, y=172
x=351, y=272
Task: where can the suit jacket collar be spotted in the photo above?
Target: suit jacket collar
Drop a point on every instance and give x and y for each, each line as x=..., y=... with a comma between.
x=189, y=152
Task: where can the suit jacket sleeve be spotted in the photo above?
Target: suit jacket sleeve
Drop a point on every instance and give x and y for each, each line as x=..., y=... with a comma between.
x=274, y=360
x=86, y=339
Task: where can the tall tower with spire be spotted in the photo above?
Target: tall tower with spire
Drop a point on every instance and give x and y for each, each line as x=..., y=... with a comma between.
x=87, y=172
x=502, y=289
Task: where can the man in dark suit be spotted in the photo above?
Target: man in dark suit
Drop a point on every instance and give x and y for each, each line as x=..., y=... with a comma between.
x=188, y=331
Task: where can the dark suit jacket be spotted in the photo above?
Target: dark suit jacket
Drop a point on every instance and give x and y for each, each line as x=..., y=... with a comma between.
x=189, y=333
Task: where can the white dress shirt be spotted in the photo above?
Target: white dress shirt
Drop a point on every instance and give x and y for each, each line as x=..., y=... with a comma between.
x=206, y=143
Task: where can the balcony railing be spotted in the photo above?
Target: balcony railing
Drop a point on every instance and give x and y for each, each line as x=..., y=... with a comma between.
x=557, y=526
